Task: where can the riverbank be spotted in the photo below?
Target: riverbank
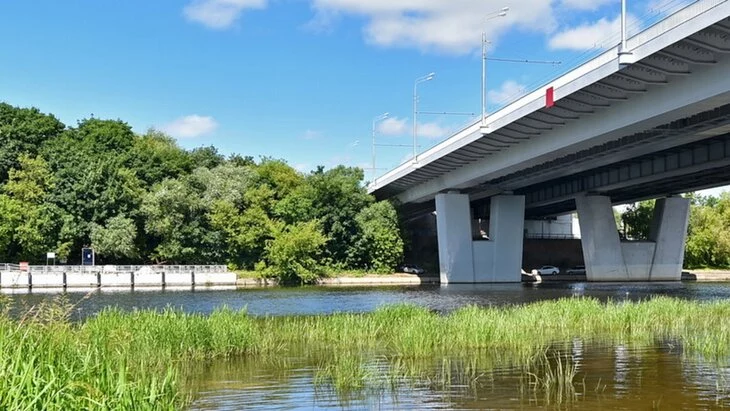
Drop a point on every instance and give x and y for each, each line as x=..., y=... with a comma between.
x=413, y=279
x=364, y=280
x=117, y=360
x=687, y=275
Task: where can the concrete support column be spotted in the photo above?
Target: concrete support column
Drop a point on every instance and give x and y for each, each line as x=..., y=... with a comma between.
x=601, y=244
x=506, y=233
x=453, y=227
x=669, y=231
x=660, y=258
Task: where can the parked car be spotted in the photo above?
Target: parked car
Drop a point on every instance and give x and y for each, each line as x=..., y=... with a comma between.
x=412, y=269
x=546, y=270
x=578, y=269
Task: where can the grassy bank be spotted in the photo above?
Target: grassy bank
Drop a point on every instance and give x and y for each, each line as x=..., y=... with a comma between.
x=139, y=360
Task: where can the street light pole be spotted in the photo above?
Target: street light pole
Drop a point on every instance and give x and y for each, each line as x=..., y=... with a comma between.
x=502, y=12
x=425, y=78
x=623, y=26
x=375, y=122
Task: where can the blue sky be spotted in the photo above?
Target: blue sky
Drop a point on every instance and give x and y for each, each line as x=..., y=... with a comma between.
x=300, y=80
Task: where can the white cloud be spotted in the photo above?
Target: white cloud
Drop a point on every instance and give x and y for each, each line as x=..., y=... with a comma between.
x=431, y=130
x=600, y=34
x=311, y=135
x=452, y=26
x=219, y=14
x=303, y=167
x=190, y=126
x=507, y=93
x=393, y=126
x=586, y=4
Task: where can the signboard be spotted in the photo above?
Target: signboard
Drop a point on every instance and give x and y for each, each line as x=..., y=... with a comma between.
x=87, y=256
x=50, y=255
x=24, y=266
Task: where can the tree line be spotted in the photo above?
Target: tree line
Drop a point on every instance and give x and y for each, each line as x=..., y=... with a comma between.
x=143, y=199
x=708, y=233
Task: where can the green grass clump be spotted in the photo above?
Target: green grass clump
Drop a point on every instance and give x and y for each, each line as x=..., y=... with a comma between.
x=141, y=359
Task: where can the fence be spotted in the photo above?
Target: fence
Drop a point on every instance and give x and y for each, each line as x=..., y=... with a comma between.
x=63, y=276
x=36, y=269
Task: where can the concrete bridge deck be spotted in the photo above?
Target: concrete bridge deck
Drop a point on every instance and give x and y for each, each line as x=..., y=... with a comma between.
x=648, y=121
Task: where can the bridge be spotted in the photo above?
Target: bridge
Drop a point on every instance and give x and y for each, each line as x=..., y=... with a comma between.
x=649, y=118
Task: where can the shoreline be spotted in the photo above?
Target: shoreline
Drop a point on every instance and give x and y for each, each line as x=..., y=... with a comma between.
x=413, y=279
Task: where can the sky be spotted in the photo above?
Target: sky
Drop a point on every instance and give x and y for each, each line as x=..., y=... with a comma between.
x=300, y=80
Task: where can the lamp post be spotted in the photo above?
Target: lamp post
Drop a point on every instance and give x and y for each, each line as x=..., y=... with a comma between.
x=419, y=80
x=501, y=13
x=623, y=25
x=375, y=122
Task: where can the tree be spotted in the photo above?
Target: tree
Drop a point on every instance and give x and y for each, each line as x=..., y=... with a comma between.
x=28, y=223
x=708, y=239
x=177, y=222
x=244, y=233
x=207, y=157
x=116, y=240
x=93, y=181
x=23, y=131
x=333, y=197
x=105, y=136
x=380, y=246
x=637, y=220
x=155, y=156
x=293, y=255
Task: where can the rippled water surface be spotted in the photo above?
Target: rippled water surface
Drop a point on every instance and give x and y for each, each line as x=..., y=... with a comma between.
x=608, y=376
x=324, y=300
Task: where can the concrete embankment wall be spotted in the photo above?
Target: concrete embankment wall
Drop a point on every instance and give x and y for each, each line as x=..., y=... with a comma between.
x=127, y=276
x=560, y=253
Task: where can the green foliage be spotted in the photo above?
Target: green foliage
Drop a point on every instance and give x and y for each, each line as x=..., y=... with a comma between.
x=139, y=198
x=335, y=197
x=708, y=240
x=27, y=220
x=103, y=136
x=139, y=360
x=155, y=157
x=116, y=240
x=293, y=255
x=23, y=131
x=379, y=246
x=637, y=220
x=708, y=236
x=207, y=157
x=178, y=221
x=245, y=233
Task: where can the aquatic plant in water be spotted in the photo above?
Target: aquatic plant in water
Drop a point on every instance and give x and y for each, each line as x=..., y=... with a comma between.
x=117, y=358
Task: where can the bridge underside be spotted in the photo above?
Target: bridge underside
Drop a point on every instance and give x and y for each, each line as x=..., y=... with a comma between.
x=649, y=122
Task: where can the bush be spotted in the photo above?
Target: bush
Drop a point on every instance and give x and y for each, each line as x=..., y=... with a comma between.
x=293, y=255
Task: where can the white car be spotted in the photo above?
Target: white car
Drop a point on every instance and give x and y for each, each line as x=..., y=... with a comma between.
x=412, y=269
x=546, y=270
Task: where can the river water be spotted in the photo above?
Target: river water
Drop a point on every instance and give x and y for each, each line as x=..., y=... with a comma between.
x=326, y=300
x=608, y=376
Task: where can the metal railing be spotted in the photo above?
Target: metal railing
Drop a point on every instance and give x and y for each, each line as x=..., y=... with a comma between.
x=39, y=269
x=549, y=236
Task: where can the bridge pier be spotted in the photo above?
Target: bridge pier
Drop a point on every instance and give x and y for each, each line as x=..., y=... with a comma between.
x=463, y=260
x=607, y=258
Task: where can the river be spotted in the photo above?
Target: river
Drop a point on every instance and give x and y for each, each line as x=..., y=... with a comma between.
x=608, y=376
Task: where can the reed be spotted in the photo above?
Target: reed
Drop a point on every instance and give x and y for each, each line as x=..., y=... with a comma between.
x=117, y=358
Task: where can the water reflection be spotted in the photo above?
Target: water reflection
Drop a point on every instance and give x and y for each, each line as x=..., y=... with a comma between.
x=325, y=300
x=606, y=377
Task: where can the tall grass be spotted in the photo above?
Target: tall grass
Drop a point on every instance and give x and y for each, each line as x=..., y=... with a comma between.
x=140, y=359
